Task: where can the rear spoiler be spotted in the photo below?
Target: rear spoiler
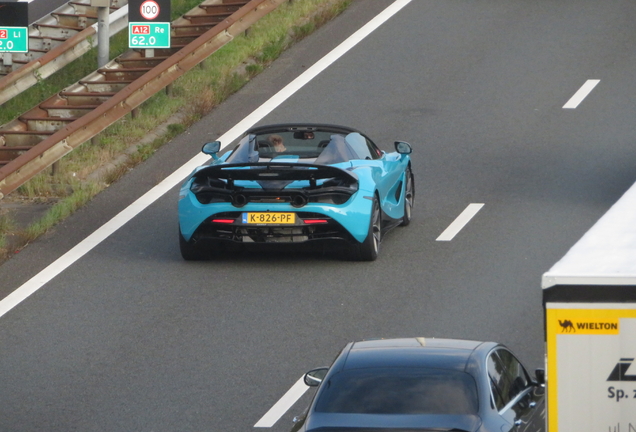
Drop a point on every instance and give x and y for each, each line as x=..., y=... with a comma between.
x=280, y=171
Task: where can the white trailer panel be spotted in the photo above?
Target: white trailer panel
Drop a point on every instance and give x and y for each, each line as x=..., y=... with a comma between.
x=590, y=312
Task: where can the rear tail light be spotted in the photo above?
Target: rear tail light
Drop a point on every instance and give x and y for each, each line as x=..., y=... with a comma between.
x=315, y=221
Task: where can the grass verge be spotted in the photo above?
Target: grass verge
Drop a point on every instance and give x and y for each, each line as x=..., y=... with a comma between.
x=193, y=95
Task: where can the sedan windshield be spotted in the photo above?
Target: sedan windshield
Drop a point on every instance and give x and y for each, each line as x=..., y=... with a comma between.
x=399, y=391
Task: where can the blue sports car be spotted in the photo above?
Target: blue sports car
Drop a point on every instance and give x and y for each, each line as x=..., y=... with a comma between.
x=296, y=183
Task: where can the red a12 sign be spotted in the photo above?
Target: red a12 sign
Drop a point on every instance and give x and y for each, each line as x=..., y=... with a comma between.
x=141, y=29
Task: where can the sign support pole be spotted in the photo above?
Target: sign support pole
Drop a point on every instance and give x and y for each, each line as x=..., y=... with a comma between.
x=7, y=62
x=103, y=35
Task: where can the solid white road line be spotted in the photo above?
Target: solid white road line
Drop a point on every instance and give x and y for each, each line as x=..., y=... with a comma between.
x=82, y=248
x=283, y=405
x=460, y=222
x=581, y=94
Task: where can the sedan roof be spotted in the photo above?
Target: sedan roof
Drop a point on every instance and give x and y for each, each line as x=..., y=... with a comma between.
x=411, y=352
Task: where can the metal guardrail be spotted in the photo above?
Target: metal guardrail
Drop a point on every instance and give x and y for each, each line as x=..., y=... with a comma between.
x=55, y=41
x=45, y=134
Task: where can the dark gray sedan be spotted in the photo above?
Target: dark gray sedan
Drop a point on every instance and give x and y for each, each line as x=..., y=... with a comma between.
x=424, y=384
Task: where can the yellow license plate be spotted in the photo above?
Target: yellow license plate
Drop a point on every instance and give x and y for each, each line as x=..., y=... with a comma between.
x=269, y=218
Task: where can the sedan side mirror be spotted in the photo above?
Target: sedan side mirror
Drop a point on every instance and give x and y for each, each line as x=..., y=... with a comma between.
x=403, y=147
x=540, y=376
x=212, y=148
x=314, y=377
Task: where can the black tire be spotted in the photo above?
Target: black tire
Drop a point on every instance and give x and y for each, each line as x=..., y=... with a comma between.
x=409, y=197
x=191, y=251
x=369, y=249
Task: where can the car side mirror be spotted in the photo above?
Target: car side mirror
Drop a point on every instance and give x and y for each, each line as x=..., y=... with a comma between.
x=314, y=377
x=212, y=148
x=403, y=147
x=540, y=376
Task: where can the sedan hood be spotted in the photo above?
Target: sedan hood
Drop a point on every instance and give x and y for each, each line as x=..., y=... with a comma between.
x=328, y=422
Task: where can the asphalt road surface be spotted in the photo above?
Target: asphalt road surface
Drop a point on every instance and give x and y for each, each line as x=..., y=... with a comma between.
x=129, y=337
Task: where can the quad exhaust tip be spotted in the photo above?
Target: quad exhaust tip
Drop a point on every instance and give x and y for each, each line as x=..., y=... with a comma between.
x=299, y=201
x=239, y=200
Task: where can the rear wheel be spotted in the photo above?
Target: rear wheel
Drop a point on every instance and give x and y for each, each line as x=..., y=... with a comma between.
x=369, y=249
x=191, y=251
x=409, y=197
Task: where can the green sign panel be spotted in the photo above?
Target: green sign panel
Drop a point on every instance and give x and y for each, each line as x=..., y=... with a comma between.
x=148, y=35
x=14, y=39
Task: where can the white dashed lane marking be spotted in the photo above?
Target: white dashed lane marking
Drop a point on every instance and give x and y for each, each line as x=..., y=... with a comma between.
x=460, y=222
x=283, y=405
x=581, y=94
